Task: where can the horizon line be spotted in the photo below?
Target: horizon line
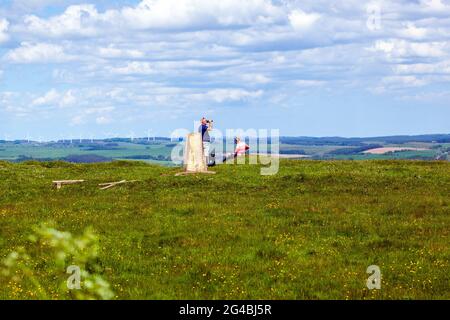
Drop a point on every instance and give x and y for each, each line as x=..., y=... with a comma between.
x=154, y=138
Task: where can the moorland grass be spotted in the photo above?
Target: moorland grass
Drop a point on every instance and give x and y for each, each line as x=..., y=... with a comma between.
x=308, y=232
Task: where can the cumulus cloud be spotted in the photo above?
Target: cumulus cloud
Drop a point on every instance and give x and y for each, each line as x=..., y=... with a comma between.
x=197, y=14
x=403, y=81
x=168, y=54
x=55, y=98
x=100, y=115
x=255, y=78
x=310, y=83
x=103, y=120
x=435, y=5
x=133, y=68
x=223, y=95
x=113, y=52
x=86, y=20
x=77, y=120
x=4, y=24
x=413, y=32
x=37, y=53
x=395, y=48
x=442, y=67
x=301, y=20
x=26, y=5
x=80, y=20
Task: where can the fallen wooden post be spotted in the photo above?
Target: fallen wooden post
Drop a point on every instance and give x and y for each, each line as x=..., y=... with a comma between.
x=108, y=185
x=60, y=183
x=185, y=173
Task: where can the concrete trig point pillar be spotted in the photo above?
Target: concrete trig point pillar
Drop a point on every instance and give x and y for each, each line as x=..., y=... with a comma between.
x=194, y=157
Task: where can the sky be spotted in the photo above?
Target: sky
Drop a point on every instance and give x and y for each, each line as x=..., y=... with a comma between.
x=98, y=69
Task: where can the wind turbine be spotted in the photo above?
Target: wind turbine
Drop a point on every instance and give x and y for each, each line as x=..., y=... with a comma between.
x=149, y=134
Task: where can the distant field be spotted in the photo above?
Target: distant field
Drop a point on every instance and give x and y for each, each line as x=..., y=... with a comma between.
x=392, y=149
x=309, y=232
x=123, y=150
x=406, y=155
x=159, y=151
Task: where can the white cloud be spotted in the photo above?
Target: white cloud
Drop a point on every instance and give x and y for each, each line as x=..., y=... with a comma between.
x=255, y=78
x=99, y=115
x=98, y=110
x=301, y=20
x=442, y=67
x=435, y=5
x=223, y=95
x=133, y=68
x=395, y=48
x=77, y=120
x=176, y=14
x=49, y=98
x=76, y=20
x=113, y=52
x=413, y=32
x=54, y=98
x=37, y=53
x=37, y=4
x=67, y=99
x=103, y=120
x=4, y=25
x=86, y=20
x=310, y=83
x=6, y=97
x=403, y=81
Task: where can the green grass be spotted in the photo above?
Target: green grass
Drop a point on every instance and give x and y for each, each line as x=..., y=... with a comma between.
x=309, y=232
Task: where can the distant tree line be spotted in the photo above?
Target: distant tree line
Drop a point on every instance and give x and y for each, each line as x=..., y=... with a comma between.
x=75, y=158
x=148, y=157
x=300, y=152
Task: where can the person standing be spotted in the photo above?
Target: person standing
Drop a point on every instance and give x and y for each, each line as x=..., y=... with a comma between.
x=205, y=127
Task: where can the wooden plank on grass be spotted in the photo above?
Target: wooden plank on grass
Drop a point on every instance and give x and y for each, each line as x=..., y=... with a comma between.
x=60, y=183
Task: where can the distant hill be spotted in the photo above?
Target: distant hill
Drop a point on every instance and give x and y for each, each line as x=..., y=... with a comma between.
x=431, y=138
x=112, y=143
x=423, y=147
x=86, y=158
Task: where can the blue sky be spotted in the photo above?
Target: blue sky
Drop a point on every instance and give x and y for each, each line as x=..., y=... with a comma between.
x=72, y=68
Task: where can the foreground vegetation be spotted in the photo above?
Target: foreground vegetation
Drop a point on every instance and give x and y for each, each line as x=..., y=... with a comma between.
x=309, y=232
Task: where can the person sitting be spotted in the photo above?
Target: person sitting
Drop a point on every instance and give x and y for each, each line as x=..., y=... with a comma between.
x=241, y=147
x=240, y=150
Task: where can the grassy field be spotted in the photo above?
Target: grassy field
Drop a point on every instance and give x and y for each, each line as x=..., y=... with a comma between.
x=11, y=152
x=309, y=232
